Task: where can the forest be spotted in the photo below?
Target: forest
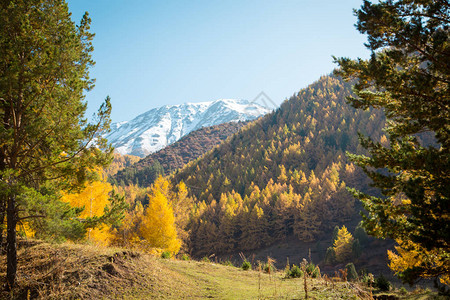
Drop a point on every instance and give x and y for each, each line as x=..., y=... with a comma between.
x=367, y=144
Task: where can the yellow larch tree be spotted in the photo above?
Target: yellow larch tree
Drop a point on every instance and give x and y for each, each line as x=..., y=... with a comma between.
x=179, y=200
x=182, y=205
x=94, y=198
x=158, y=224
x=343, y=245
x=411, y=257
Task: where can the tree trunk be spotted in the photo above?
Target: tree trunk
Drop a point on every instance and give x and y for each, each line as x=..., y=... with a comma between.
x=3, y=201
x=2, y=225
x=11, y=239
x=2, y=248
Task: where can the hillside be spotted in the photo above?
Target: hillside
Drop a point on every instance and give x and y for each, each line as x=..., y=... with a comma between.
x=162, y=126
x=176, y=155
x=120, y=162
x=282, y=175
x=71, y=271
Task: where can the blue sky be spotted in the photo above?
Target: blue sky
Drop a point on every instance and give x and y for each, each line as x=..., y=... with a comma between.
x=153, y=53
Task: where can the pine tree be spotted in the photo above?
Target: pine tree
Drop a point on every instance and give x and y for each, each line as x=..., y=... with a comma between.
x=408, y=77
x=44, y=71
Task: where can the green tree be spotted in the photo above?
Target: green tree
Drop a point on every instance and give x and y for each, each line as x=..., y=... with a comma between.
x=407, y=76
x=352, y=275
x=330, y=256
x=44, y=63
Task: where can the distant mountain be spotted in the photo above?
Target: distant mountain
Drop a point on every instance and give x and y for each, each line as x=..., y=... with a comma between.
x=159, y=127
x=176, y=155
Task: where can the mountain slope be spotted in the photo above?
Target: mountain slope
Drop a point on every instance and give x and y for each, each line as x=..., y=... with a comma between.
x=120, y=162
x=282, y=175
x=176, y=155
x=159, y=127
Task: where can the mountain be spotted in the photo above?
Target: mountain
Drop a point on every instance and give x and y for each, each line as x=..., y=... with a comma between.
x=283, y=175
x=176, y=155
x=162, y=126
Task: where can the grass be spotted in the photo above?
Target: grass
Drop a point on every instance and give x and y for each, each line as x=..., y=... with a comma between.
x=69, y=271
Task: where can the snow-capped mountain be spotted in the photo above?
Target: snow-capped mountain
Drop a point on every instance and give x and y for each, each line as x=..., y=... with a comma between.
x=159, y=127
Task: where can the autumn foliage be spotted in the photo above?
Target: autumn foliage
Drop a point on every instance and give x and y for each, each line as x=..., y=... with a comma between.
x=342, y=246
x=158, y=224
x=162, y=223
x=283, y=175
x=413, y=258
x=94, y=198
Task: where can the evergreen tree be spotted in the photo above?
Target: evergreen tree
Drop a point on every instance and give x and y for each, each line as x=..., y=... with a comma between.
x=335, y=233
x=127, y=235
x=356, y=248
x=352, y=275
x=361, y=235
x=330, y=256
x=408, y=76
x=44, y=63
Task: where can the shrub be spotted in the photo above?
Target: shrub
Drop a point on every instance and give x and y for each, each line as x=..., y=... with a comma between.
x=382, y=283
x=312, y=270
x=227, y=263
x=185, y=257
x=351, y=272
x=269, y=268
x=166, y=254
x=246, y=265
x=368, y=279
x=402, y=291
x=294, y=272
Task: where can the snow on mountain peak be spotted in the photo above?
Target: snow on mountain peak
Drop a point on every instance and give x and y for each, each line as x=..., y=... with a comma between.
x=161, y=126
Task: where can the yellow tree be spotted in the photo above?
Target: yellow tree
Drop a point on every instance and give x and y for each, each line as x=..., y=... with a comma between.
x=178, y=198
x=343, y=245
x=127, y=235
x=306, y=220
x=158, y=225
x=182, y=205
x=94, y=198
x=254, y=228
x=412, y=257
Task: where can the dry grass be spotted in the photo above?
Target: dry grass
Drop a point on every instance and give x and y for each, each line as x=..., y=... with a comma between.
x=69, y=271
